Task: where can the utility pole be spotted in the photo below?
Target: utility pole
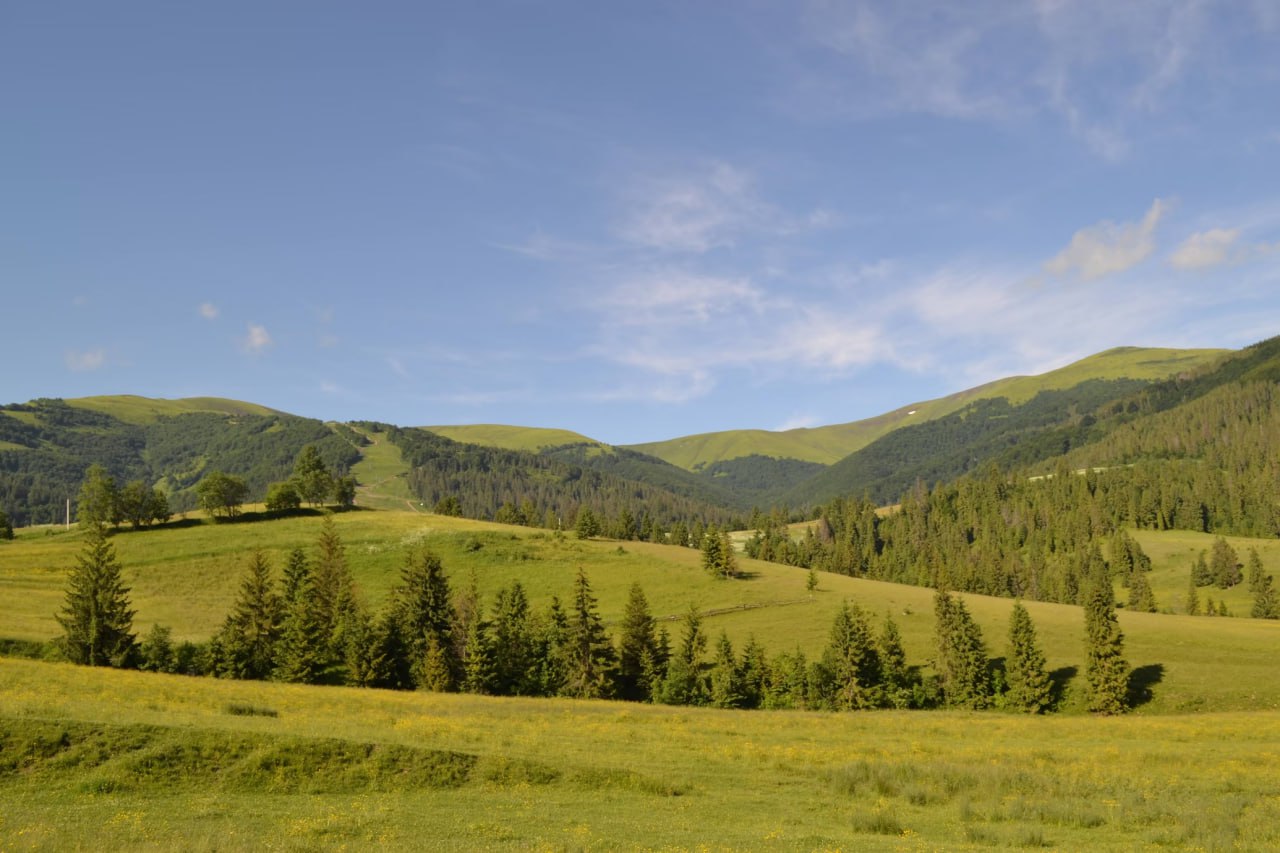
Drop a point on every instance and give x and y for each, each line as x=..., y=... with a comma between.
x=68, y=513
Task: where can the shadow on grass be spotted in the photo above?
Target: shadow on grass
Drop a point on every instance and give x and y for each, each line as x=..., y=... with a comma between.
x=1061, y=679
x=1141, y=682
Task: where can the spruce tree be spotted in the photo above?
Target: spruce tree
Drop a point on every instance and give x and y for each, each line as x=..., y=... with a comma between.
x=302, y=639
x=1193, y=595
x=684, y=682
x=1266, y=603
x=961, y=654
x=424, y=609
x=1106, y=671
x=249, y=635
x=589, y=656
x=1141, y=598
x=636, y=639
x=852, y=660
x=513, y=643
x=754, y=673
x=1257, y=575
x=1224, y=564
x=334, y=591
x=156, y=651
x=96, y=618
x=724, y=681
x=477, y=660
x=1029, y=686
x=894, y=674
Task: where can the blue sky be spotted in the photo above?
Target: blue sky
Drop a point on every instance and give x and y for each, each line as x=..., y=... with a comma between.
x=632, y=220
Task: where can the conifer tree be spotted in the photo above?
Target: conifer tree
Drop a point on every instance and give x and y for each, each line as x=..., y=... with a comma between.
x=712, y=552
x=156, y=651
x=1200, y=571
x=513, y=643
x=589, y=656
x=333, y=590
x=724, y=680
x=637, y=638
x=302, y=639
x=894, y=674
x=1193, y=595
x=1029, y=686
x=1224, y=564
x=1266, y=603
x=754, y=673
x=477, y=661
x=551, y=638
x=424, y=610
x=1106, y=671
x=1141, y=598
x=684, y=683
x=962, y=655
x=587, y=525
x=96, y=618
x=247, y=641
x=852, y=661
x=1257, y=575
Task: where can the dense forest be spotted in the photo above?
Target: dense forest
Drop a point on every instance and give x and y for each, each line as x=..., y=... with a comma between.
x=541, y=490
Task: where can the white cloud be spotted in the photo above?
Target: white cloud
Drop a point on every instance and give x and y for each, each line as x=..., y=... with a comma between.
x=397, y=367
x=1108, y=247
x=257, y=339
x=1206, y=249
x=677, y=297
x=209, y=311
x=698, y=212
x=85, y=360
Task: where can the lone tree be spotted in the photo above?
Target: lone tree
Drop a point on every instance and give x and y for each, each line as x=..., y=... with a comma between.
x=96, y=616
x=311, y=478
x=1030, y=689
x=98, y=502
x=1106, y=670
x=221, y=495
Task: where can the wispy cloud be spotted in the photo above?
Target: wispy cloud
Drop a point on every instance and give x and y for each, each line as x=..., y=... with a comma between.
x=1108, y=247
x=1217, y=247
x=85, y=360
x=208, y=310
x=256, y=340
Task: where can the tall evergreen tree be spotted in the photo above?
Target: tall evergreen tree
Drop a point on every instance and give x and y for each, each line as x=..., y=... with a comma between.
x=755, y=673
x=1193, y=595
x=637, y=638
x=1224, y=564
x=300, y=652
x=334, y=591
x=852, y=660
x=1106, y=670
x=248, y=638
x=424, y=609
x=724, y=681
x=684, y=684
x=961, y=654
x=96, y=618
x=589, y=656
x=1257, y=575
x=894, y=673
x=513, y=643
x=1141, y=598
x=1029, y=686
x=477, y=660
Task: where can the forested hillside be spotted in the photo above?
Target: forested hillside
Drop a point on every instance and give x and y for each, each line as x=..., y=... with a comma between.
x=1200, y=453
x=47, y=445
x=543, y=490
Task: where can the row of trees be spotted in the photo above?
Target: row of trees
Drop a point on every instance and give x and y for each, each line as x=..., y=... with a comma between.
x=312, y=628
x=102, y=502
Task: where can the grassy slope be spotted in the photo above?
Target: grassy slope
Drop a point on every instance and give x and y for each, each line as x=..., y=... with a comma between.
x=141, y=761
x=187, y=577
x=532, y=439
x=145, y=410
x=829, y=444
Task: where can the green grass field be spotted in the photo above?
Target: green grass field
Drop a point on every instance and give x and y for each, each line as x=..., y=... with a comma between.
x=124, y=760
x=829, y=444
x=144, y=410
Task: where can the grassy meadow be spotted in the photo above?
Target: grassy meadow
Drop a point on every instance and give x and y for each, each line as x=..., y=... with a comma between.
x=127, y=760
x=186, y=576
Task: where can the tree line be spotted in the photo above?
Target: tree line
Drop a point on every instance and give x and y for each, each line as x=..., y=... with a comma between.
x=312, y=627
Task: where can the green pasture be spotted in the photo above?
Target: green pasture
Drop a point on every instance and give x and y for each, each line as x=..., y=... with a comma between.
x=531, y=439
x=113, y=760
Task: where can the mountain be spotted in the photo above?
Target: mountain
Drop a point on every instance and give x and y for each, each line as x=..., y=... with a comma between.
x=512, y=437
x=829, y=444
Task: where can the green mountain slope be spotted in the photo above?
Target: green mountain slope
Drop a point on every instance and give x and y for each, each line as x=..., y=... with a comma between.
x=511, y=437
x=829, y=444
x=146, y=410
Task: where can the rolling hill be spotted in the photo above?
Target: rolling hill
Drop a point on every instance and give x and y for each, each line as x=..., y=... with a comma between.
x=829, y=444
